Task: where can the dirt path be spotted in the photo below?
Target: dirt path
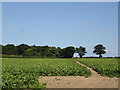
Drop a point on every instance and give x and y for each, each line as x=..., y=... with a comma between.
x=94, y=81
x=94, y=73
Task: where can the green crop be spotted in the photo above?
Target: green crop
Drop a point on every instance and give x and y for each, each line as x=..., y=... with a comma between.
x=24, y=72
x=104, y=66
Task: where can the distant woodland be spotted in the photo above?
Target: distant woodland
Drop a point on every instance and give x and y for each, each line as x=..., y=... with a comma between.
x=24, y=50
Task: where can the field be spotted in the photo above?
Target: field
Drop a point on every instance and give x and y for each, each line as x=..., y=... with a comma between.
x=105, y=67
x=24, y=72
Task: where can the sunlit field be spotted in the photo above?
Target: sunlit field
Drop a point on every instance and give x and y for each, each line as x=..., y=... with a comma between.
x=104, y=66
x=24, y=72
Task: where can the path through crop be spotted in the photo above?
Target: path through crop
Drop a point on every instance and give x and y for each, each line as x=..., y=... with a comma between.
x=94, y=81
x=94, y=73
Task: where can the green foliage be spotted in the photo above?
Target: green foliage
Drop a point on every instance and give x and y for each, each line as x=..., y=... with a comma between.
x=1, y=49
x=21, y=48
x=37, y=51
x=23, y=73
x=81, y=50
x=68, y=52
x=59, y=55
x=31, y=52
x=11, y=56
x=99, y=50
x=9, y=49
x=104, y=66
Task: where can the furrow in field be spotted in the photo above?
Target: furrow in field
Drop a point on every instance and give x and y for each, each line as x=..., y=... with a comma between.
x=94, y=73
x=94, y=81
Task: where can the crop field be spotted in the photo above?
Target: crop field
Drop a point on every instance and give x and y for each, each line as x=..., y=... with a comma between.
x=105, y=66
x=24, y=72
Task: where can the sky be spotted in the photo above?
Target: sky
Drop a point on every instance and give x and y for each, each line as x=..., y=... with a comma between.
x=62, y=24
x=0, y=22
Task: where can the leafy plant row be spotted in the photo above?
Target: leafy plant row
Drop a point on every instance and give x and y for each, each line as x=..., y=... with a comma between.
x=105, y=67
x=23, y=73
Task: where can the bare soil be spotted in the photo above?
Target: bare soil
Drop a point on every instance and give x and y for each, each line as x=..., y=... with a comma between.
x=94, y=81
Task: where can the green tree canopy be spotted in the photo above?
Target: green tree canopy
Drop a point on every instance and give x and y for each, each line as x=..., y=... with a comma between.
x=31, y=52
x=1, y=48
x=99, y=50
x=9, y=49
x=68, y=52
x=81, y=50
x=21, y=48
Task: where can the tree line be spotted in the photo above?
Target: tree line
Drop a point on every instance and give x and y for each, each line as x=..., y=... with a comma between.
x=48, y=51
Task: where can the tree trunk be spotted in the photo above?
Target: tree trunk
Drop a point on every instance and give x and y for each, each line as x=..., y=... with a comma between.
x=80, y=56
x=100, y=55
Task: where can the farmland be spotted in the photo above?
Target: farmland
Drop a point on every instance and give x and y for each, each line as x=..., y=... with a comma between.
x=24, y=72
x=105, y=67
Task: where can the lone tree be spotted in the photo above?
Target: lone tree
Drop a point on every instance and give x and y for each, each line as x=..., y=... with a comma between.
x=81, y=50
x=99, y=50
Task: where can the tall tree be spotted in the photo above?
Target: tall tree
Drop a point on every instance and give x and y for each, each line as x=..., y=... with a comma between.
x=9, y=49
x=99, y=50
x=1, y=49
x=44, y=51
x=21, y=48
x=53, y=52
x=81, y=50
x=59, y=52
x=68, y=52
x=31, y=52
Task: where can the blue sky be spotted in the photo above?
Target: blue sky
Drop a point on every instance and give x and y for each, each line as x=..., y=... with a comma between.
x=62, y=24
x=1, y=33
